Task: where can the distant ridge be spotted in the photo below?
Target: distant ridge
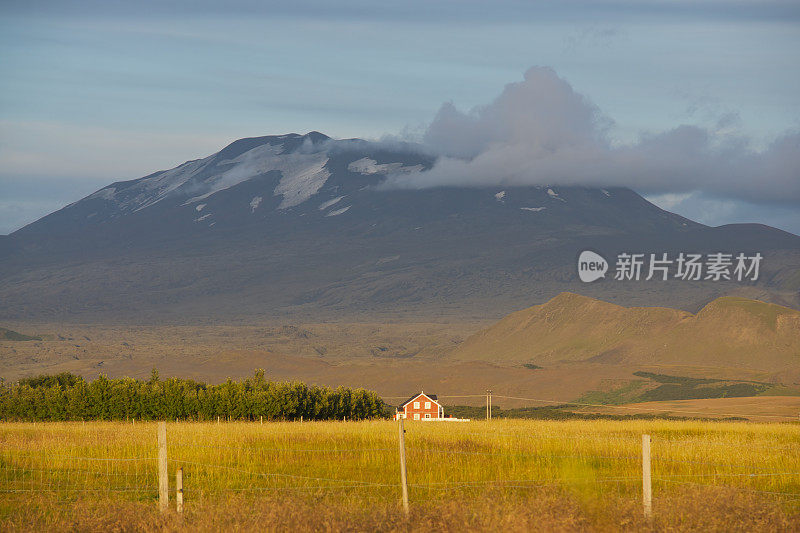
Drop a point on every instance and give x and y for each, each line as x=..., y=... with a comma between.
x=570, y=328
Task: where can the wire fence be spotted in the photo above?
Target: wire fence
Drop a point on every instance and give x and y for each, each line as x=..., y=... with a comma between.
x=361, y=460
x=67, y=476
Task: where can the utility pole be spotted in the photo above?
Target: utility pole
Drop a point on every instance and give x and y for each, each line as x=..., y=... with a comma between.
x=488, y=404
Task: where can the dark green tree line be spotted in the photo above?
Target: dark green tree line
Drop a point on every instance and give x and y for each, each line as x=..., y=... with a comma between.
x=69, y=397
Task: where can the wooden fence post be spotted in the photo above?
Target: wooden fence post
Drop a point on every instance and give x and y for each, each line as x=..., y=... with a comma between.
x=163, y=481
x=403, y=466
x=647, y=487
x=179, y=490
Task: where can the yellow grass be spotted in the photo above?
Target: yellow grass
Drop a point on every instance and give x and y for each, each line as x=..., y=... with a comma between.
x=572, y=475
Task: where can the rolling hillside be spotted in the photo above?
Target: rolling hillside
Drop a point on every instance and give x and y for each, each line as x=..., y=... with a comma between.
x=728, y=332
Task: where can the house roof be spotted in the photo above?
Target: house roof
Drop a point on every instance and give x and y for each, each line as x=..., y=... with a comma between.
x=431, y=396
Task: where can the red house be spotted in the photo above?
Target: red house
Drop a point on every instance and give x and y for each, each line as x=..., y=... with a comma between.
x=420, y=407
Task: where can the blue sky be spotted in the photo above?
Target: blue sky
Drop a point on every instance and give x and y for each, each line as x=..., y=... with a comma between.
x=94, y=92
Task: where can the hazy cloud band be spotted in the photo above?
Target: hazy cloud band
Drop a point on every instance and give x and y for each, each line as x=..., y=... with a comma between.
x=541, y=132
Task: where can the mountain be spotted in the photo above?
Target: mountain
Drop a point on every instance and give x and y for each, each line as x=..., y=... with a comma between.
x=305, y=226
x=729, y=332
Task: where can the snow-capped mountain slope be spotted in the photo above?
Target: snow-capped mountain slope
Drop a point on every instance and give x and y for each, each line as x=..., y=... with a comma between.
x=302, y=171
x=290, y=170
x=304, y=224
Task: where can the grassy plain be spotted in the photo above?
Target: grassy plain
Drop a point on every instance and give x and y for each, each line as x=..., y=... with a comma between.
x=511, y=475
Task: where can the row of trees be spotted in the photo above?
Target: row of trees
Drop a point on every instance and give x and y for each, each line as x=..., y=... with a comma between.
x=69, y=397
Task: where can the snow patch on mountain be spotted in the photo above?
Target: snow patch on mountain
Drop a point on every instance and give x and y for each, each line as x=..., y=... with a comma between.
x=200, y=207
x=158, y=187
x=552, y=194
x=254, y=203
x=337, y=211
x=368, y=166
x=324, y=205
x=200, y=219
x=302, y=178
x=302, y=174
x=534, y=209
x=501, y=196
x=258, y=160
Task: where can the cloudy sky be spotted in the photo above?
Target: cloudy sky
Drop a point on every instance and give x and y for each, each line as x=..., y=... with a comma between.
x=693, y=103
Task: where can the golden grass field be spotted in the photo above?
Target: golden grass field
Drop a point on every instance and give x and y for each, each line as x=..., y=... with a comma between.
x=509, y=475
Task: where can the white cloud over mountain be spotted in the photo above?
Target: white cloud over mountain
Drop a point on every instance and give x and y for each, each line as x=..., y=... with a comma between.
x=540, y=131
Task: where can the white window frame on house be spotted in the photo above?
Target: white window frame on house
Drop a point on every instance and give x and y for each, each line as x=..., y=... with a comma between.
x=416, y=416
x=416, y=405
x=427, y=405
x=427, y=415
